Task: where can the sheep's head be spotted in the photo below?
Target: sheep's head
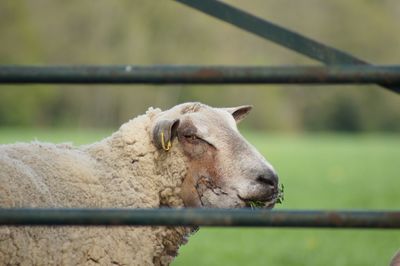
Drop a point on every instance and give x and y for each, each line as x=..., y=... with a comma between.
x=224, y=170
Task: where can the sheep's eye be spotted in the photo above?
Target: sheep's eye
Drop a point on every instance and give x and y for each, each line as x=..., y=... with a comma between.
x=191, y=138
x=194, y=140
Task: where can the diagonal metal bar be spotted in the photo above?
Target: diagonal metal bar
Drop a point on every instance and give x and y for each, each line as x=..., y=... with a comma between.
x=276, y=33
x=129, y=74
x=202, y=217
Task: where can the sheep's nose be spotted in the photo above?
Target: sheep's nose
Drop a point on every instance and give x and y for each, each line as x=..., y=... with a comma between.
x=269, y=178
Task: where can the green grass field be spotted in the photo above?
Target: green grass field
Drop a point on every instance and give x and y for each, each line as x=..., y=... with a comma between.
x=319, y=172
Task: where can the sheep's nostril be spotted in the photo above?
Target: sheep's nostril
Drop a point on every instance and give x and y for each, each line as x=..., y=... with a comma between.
x=270, y=179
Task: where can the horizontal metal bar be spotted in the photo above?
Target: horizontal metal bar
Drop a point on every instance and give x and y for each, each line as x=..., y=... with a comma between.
x=130, y=74
x=202, y=217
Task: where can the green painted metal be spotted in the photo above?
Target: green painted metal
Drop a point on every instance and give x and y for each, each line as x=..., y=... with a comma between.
x=277, y=34
x=356, y=74
x=201, y=217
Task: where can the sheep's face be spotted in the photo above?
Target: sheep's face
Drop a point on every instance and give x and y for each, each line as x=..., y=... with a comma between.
x=224, y=170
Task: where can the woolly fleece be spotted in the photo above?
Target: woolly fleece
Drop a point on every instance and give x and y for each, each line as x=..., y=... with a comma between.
x=122, y=171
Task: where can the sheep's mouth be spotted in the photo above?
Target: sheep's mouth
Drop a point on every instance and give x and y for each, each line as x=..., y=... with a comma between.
x=266, y=202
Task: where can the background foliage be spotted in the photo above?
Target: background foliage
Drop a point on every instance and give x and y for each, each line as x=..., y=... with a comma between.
x=165, y=32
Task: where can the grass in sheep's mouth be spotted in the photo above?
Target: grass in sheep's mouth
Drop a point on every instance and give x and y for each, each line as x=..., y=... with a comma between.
x=279, y=197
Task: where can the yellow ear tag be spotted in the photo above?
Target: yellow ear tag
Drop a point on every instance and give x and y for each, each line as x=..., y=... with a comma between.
x=166, y=147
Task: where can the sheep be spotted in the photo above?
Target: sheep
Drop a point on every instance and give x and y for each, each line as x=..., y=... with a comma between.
x=191, y=155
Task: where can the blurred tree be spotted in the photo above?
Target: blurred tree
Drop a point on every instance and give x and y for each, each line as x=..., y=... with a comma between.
x=344, y=115
x=165, y=32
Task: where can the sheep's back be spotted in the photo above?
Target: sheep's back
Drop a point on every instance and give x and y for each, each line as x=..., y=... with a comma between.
x=48, y=175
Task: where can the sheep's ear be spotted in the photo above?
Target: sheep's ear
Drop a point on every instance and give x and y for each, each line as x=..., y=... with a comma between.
x=240, y=112
x=164, y=133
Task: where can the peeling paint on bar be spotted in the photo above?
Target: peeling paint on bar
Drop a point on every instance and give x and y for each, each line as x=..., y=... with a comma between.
x=202, y=217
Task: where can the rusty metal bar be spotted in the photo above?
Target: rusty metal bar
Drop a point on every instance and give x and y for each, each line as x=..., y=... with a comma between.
x=277, y=34
x=130, y=74
x=201, y=217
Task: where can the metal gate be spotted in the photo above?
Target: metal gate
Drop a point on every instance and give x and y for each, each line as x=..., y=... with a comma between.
x=342, y=68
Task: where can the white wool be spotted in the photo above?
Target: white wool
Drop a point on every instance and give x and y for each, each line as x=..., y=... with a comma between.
x=124, y=170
